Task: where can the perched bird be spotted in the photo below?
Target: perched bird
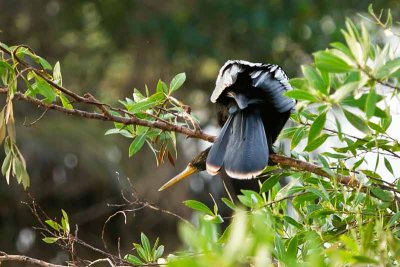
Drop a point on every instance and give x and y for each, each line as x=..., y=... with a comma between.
x=252, y=112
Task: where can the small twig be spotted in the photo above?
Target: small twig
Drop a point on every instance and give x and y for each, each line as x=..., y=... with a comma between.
x=35, y=121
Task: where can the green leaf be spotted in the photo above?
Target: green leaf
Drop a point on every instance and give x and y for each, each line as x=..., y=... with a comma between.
x=370, y=105
x=365, y=259
x=292, y=247
x=326, y=61
x=299, y=83
x=65, y=221
x=388, y=166
x=382, y=194
x=388, y=68
x=140, y=251
x=376, y=127
x=316, y=143
x=162, y=87
x=44, y=63
x=146, y=245
x=65, y=102
x=133, y=259
x=345, y=90
x=355, y=47
x=44, y=89
x=315, y=79
x=177, y=82
x=123, y=132
x=144, y=103
x=229, y=203
x=53, y=225
x=137, y=144
x=356, y=121
x=297, y=136
x=197, y=205
x=159, y=252
x=18, y=169
x=214, y=218
x=301, y=95
x=342, y=47
x=269, y=183
x=293, y=222
x=6, y=165
x=250, y=198
x=394, y=219
x=57, y=74
x=323, y=195
x=50, y=240
x=317, y=127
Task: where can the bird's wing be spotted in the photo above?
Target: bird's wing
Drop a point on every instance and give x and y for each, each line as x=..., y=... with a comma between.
x=228, y=75
x=267, y=77
x=273, y=80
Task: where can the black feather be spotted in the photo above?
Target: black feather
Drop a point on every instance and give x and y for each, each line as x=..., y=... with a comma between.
x=253, y=111
x=241, y=147
x=247, y=152
x=216, y=155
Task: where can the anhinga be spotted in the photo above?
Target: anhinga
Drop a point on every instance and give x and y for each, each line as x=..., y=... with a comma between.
x=252, y=111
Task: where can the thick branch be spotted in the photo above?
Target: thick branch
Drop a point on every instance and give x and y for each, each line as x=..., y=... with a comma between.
x=306, y=166
x=26, y=260
x=109, y=117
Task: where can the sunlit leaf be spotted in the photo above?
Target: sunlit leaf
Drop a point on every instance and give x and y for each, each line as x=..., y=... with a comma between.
x=301, y=95
x=197, y=205
x=326, y=61
x=316, y=143
x=50, y=240
x=177, y=82
x=317, y=127
x=370, y=105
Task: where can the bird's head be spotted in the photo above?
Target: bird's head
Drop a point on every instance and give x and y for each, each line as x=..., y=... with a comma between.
x=196, y=165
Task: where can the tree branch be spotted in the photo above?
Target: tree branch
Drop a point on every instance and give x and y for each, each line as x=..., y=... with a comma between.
x=109, y=117
x=306, y=166
x=27, y=260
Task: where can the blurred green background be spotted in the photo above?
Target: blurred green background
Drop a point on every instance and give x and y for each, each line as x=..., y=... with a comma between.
x=110, y=47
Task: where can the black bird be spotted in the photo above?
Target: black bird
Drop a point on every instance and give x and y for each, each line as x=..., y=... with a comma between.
x=252, y=110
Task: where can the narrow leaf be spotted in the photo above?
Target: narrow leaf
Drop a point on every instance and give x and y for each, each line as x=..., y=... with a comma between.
x=316, y=143
x=137, y=144
x=370, y=105
x=197, y=205
x=317, y=127
x=356, y=121
x=301, y=95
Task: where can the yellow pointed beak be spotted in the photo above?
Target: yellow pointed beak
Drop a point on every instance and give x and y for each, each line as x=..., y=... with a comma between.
x=183, y=175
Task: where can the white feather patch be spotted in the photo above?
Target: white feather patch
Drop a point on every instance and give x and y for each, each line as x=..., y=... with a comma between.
x=243, y=176
x=212, y=169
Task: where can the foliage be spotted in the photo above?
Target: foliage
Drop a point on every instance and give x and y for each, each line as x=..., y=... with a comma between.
x=160, y=106
x=344, y=112
x=146, y=253
x=58, y=230
x=313, y=221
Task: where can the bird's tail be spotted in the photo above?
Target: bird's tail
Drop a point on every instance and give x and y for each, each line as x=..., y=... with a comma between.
x=241, y=147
